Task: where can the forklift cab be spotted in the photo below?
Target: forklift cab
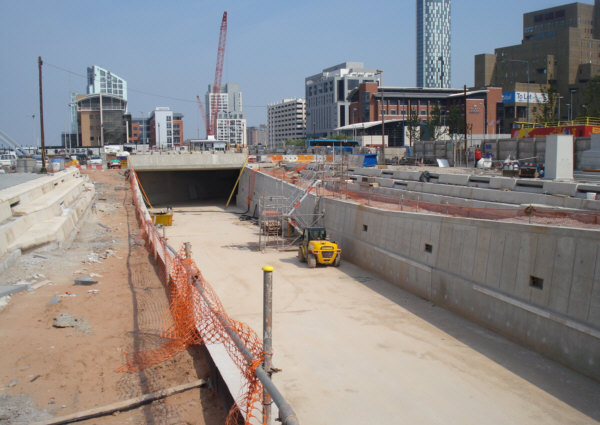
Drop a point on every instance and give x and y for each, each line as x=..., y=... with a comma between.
x=314, y=233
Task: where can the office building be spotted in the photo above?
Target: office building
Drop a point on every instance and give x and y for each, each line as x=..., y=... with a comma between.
x=231, y=124
x=433, y=43
x=100, y=80
x=256, y=136
x=326, y=105
x=403, y=103
x=560, y=47
x=101, y=118
x=286, y=120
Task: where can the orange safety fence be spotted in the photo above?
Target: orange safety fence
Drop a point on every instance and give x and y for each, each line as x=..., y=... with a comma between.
x=370, y=196
x=198, y=317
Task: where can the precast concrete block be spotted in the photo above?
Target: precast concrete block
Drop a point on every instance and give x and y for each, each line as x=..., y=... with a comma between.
x=445, y=246
x=495, y=258
x=545, y=254
x=456, y=248
x=559, y=157
x=502, y=183
x=407, y=175
x=510, y=261
x=525, y=266
x=562, y=274
x=370, y=172
x=484, y=235
x=468, y=255
x=594, y=313
x=560, y=188
x=385, y=182
x=583, y=278
x=455, y=179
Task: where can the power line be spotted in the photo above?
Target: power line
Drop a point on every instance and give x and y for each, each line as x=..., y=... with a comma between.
x=141, y=91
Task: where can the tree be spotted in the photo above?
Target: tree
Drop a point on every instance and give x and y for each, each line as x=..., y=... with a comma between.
x=547, y=109
x=591, y=97
x=413, y=123
x=456, y=120
x=433, y=126
x=295, y=142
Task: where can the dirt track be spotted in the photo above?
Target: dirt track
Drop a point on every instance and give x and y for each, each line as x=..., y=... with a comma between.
x=47, y=371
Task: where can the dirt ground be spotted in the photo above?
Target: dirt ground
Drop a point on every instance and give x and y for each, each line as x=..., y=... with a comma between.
x=48, y=372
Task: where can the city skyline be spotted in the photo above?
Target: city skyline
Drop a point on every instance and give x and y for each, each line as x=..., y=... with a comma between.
x=269, y=52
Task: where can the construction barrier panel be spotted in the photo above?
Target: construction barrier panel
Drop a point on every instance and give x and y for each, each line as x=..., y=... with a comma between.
x=197, y=318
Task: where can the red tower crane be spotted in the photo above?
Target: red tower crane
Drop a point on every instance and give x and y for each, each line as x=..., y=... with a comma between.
x=211, y=126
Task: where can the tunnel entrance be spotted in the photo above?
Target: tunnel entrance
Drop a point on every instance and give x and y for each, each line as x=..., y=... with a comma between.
x=172, y=187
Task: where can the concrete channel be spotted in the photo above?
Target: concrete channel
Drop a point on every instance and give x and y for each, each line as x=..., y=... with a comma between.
x=355, y=348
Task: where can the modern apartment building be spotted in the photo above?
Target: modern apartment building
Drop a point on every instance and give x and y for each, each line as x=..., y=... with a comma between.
x=231, y=124
x=100, y=80
x=165, y=128
x=433, y=43
x=560, y=46
x=286, y=120
x=327, y=106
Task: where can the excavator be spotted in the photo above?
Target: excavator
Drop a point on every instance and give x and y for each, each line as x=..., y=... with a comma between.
x=316, y=248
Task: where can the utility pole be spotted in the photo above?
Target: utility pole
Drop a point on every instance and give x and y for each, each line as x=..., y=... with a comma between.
x=43, y=170
x=465, y=94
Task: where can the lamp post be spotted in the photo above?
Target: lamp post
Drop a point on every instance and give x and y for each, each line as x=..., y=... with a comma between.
x=380, y=72
x=559, y=98
x=572, y=104
x=525, y=62
x=568, y=112
x=441, y=59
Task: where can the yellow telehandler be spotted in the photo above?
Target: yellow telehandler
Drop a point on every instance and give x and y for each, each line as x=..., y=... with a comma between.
x=316, y=248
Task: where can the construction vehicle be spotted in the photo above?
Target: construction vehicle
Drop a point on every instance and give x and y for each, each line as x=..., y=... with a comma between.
x=316, y=248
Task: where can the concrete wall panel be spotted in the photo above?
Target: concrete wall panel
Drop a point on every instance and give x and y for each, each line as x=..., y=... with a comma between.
x=562, y=275
x=583, y=279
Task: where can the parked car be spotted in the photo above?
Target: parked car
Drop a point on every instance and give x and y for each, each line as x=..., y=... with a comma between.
x=95, y=160
x=114, y=163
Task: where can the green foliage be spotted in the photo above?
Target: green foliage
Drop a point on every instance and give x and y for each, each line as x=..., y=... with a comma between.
x=341, y=137
x=413, y=124
x=456, y=120
x=591, y=97
x=547, y=110
x=432, y=130
x=295, y=142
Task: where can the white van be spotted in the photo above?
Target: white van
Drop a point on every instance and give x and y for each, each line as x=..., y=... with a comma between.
x=8, y=160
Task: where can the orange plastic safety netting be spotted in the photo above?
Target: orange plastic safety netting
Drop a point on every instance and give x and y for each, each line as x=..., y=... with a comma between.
x=371, y=196
x=198, y=317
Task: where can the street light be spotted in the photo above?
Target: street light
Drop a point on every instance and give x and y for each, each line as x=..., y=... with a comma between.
x=526, y=62
x=572, y=104
x=559, y=98
x=380, y=72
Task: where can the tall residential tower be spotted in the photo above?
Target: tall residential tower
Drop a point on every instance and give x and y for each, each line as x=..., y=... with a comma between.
x=433, y=43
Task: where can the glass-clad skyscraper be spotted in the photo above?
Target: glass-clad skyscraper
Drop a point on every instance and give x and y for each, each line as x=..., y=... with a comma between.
x=102, y=81
x=433, y=43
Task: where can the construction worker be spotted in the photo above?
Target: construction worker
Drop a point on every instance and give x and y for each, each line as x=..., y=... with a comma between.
x=477, y=157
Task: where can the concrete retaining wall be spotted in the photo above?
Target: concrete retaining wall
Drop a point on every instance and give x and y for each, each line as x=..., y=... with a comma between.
x=536, y=285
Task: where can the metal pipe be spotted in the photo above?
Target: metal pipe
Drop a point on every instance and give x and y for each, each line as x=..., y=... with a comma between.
x=267, y=338
x=287, y=416
x=43, y=170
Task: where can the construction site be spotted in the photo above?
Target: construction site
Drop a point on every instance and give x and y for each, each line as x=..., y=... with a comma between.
x=399, y=294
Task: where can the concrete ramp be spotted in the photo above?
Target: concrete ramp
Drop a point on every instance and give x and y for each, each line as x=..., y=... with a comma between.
x=41, y=211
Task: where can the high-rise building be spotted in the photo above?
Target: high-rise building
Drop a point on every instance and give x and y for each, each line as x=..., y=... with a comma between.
x=327, y=106
x=102, y=81
x=433, y=43
x=286, y=120
x=231, y=124
x=560, y=48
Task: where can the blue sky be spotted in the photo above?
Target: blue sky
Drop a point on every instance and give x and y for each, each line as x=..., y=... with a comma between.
x=166, y=50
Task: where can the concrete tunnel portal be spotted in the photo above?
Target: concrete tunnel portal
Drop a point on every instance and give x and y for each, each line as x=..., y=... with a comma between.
x=176, y=187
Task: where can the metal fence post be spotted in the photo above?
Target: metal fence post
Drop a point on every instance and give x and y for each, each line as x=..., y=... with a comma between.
x=267, y=337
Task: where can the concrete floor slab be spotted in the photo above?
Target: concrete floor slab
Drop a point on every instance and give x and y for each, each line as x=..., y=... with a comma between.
x=356, y=349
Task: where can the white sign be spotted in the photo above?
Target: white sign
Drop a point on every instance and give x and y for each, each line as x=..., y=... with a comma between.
x=521, y=97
